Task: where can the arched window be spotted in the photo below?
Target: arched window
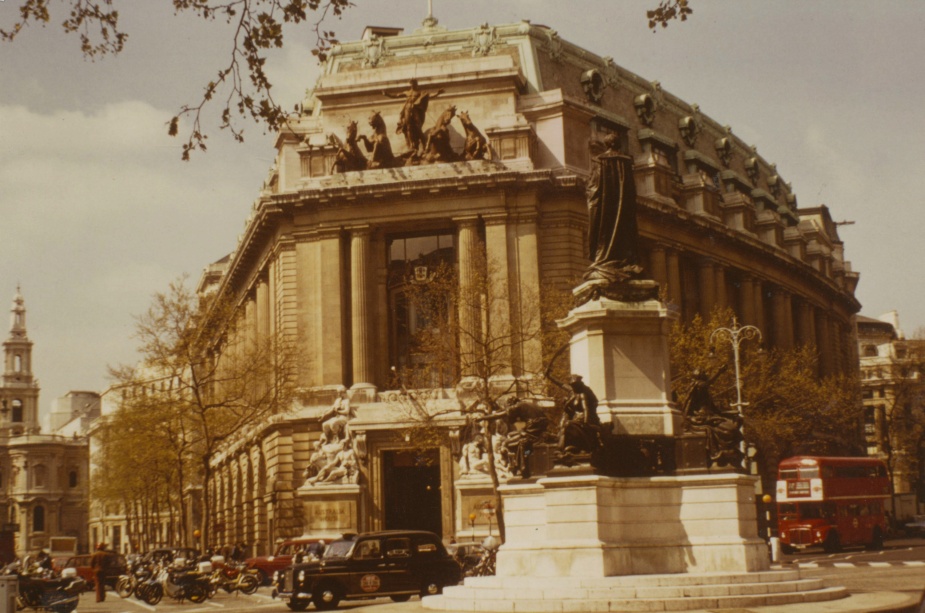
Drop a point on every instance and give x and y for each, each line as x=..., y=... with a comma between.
x=17, y=410
x=870, y=351
x=38, y=519
x=17, y=363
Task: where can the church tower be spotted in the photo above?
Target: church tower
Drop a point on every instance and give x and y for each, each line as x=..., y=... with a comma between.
x=20, y=392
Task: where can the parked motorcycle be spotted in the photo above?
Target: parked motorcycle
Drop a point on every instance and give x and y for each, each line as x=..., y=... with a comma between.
x=185, y=583
x=50, y=593
x=235, y=577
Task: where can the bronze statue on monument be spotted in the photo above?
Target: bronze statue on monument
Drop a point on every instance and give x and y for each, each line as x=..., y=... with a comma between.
x=613, y=235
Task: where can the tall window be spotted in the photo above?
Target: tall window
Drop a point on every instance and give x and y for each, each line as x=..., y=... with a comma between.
x=412, y=260
x=38, y=519
x=17, y=410
x=17, y=363
x=40, y=476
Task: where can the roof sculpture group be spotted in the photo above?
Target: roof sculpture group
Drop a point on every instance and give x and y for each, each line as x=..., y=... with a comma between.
x=422, y=147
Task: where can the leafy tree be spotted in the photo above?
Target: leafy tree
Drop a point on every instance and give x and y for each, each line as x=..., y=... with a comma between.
x=789, y=409
x=667, y=11
x=137, y=467
x=902, y=414
x=476, y=339
x=222, y=380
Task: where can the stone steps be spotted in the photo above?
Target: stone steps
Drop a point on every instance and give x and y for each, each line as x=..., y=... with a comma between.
x=676, y=592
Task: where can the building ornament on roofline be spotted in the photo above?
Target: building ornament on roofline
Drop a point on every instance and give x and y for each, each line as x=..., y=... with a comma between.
x=484, y=40
x=691, y=126
x=751, y=166
x=373, y=51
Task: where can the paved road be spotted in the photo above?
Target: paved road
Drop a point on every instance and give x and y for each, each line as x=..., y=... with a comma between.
x=899, y=567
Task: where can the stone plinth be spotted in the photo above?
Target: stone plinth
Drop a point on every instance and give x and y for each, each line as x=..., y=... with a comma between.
x=472, y=494
x=593, y=526
x=621, y=351
x=330, y=509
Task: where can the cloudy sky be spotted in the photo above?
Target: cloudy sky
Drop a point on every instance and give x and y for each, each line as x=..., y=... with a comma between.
x=97, y=212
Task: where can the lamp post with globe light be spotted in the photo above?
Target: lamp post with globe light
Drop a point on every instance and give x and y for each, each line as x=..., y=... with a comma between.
x=736, y=335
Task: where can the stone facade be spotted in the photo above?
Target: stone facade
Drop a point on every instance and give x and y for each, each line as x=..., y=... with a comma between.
x=43, y=476
x=891, y=383
x=317, y=259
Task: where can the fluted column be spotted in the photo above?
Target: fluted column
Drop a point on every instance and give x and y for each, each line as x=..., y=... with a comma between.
x=823, y=342
x=719, y=291
x=361, y=337
x=658, y=266
x=782, y=329
x=707, y=291
x=674, y=277
x=758, y=301
x=468, y=311
x=746, y=300
x=502, y=299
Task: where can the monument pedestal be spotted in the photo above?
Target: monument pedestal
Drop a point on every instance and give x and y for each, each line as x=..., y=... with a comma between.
x=620, y=349
x=330, y=510
x=594, y=526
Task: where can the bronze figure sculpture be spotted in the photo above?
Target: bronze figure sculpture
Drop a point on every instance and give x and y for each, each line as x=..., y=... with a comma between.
x=612, y=230
x=411, y=120
x=722, y=429
x=378, y=145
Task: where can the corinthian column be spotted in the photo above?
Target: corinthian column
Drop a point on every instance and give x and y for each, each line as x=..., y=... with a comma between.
x=359, y=301
x=469, y=328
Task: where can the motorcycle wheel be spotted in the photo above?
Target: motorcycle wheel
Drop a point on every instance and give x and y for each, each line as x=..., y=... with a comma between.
x=196, y=594
x=31, y=596
x=124, y=587
x=63, y=607
x=248, y=584
x=153, y=594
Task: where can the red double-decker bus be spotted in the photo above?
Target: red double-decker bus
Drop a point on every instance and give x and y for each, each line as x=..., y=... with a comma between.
x=831, y=502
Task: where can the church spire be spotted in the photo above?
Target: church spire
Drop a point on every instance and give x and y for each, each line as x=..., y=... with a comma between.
x=18, y=317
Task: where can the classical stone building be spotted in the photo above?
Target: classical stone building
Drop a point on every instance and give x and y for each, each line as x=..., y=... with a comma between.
x=43, y=476
x=894, y=400
x=333, y=242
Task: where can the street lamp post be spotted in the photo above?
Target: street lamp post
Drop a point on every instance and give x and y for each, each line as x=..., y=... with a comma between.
x=736, y=335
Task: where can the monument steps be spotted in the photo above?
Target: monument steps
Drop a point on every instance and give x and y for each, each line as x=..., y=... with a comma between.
x=674, y=592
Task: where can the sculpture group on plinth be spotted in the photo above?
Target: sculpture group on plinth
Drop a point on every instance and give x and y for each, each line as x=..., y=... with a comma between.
x=422, y=147
x=334, y=457
x=722, y=430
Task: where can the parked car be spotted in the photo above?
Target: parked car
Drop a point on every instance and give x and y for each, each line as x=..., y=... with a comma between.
x=169, y=554
x=116, y=566
x=397, y=564
x=915, y=527
x=267, y=566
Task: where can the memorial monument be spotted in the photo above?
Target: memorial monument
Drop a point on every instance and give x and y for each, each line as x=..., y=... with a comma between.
x=595, y=533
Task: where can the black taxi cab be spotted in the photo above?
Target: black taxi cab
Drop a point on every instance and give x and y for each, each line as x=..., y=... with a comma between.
x=396, y=563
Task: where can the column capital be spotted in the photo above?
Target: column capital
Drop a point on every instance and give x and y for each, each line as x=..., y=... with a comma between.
x=495, y=219
x=359, y=230
x=467, y=221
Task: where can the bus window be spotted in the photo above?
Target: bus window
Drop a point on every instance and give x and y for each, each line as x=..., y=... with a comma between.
x=809, y=472
x=787, y=510
x=789, y=473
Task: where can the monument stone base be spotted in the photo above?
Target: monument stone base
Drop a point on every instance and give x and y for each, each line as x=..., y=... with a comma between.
x=590, y=543
x=594, y=526
x=330, y=510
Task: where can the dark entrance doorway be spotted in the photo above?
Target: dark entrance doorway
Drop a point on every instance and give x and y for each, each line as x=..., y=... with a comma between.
x=411, y=490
